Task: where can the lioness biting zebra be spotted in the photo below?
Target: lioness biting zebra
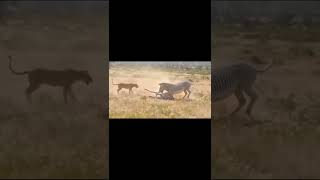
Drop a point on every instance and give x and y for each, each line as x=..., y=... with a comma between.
x=64, y=78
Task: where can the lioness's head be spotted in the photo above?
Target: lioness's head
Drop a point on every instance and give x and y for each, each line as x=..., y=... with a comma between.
x=86, y=77
x=136, y=85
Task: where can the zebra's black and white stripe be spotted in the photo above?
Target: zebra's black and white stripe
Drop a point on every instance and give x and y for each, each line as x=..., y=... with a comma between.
x=176, y=88
x=236, y=79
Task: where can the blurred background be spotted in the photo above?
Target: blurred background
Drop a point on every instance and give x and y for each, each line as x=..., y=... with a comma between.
x=281, y=142
x=50, y=139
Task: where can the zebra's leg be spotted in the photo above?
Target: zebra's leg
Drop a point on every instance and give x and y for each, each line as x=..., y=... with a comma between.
x=241, y=99
x=253, y=96
x=189, y=92
x=185, y=93
x=170, y=96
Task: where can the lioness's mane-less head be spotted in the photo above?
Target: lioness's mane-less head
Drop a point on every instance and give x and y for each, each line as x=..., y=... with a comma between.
x=85, y=77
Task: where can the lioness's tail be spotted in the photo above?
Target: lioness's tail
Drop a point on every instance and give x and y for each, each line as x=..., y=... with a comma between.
x=114, y=84
x=12, y=70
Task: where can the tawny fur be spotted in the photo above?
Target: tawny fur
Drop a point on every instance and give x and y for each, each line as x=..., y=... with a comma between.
x=128, y=86
x=63, y=78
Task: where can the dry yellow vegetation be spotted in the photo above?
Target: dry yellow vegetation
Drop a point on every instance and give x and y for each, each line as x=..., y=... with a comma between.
x=140, y=105
x=50, y=139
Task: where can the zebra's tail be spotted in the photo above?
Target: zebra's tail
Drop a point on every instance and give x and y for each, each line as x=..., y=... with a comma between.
x=266, y=68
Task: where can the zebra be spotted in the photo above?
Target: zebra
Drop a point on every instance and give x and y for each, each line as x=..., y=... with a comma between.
x=176, y=88
x=236, y=79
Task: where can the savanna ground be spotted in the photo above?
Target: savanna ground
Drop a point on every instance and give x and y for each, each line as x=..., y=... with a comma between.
x=49, y=139
x=284, y=141
x=140, y=105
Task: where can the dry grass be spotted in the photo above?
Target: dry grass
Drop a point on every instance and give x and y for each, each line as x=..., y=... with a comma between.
x=52, y=140
x=49, y=139
x=140, y=105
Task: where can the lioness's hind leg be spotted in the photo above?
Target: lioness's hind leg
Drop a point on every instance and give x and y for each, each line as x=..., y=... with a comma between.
x=30, y=90
x=72, y=95
x=119, y=90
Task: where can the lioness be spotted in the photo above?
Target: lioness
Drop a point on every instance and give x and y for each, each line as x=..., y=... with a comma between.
x=128, y=86
x=64, y=78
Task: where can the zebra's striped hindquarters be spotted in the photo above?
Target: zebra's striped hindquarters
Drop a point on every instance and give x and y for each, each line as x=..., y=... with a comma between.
x=227, y=80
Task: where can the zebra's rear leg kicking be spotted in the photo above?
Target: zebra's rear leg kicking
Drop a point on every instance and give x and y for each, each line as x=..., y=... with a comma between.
x=185, y=94
x=253, y=96
x=241, y=100
x=189, y=92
